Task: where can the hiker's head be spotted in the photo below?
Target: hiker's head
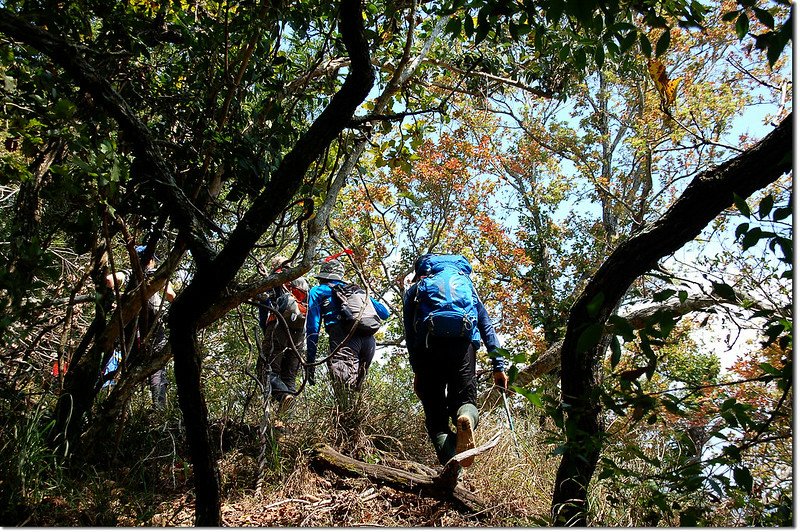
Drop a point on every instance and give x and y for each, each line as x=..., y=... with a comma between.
x=417, y=265
x=331, y=271
x=277, y=263
x=140, y=251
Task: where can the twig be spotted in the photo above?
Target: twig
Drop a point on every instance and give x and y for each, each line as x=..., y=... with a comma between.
x=279, y=503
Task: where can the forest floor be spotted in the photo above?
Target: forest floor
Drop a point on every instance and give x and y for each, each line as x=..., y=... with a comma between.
x=157, y=491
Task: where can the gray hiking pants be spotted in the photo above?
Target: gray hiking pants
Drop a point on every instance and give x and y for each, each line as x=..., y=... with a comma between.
x=350, y=362
x=158, y=388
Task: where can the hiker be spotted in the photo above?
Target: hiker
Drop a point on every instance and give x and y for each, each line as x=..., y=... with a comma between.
x=282, y=339
x=444, y=321
x=352, y=353
x=148, y=329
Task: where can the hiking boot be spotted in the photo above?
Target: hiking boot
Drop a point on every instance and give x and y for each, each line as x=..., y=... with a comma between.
x=444, y=444
x=465, y=438
x=285, y=405
x=465, y=431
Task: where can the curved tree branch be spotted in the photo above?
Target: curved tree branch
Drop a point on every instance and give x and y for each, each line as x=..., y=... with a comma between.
x=709, y=194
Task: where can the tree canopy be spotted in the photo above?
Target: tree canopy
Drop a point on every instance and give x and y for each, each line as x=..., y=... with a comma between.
x=618, y=173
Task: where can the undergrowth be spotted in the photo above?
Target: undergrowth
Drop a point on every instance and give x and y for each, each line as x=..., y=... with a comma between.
x=142, y=475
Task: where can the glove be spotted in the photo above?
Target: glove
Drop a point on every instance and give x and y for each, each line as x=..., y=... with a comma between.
x=500, y=379
x=310, y=373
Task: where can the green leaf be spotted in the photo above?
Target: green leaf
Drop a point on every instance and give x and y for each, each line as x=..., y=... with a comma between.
x=764, y=17
x=769, y=369
x=751, y=238
x=666, y=323
x=730, y=16
x=743, y=478
x=605, y=473
x=533, y=396
x=622, y=327
x=663, y=43
x=652, y=359
x=774, y=51
x=741, y=230
x=616, y=351
x=689, y=518
x=589, y=337
x=781, y=213
x=673, y=407
x=580, y=59
x=724, y=290
x=599, y=56
x=627, y=41
x=733, y=452
x=453, y=26
x=663, y=295
x=787, y=248
x=483, y=30
x=593, y=307
x=469, y=25
x=683, y=295
x=741, y=204
x=765, y=206
x=742, y=26
x=512, y=373
x=554, y=11
x=64, y=109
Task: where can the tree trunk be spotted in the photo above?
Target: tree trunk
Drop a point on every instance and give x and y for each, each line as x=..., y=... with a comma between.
x=707, y=196
x=78, y=394
x=208, y=285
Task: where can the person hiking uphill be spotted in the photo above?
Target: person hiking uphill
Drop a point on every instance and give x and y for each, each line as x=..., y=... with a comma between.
x=282, y=339
x=343, y=308
x=445, y=321
x=150, y=335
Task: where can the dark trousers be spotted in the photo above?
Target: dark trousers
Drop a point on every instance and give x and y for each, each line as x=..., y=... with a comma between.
x=351, y=360
x=158, y=388
x=278, y=363
x=151, y=344
x=446, y=379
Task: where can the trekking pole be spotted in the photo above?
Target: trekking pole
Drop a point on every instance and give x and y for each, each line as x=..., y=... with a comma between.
x=511, y=423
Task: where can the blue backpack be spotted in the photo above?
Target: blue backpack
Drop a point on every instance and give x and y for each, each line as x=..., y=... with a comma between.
x=445, y=297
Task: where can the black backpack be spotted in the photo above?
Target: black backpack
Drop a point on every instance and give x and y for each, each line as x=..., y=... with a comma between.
x=356, y=308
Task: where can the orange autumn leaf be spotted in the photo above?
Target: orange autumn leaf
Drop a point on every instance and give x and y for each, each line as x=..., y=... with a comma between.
x=672, y=87
x=666, y=88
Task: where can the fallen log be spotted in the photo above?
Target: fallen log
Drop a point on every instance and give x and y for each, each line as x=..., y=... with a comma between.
x=443, y=486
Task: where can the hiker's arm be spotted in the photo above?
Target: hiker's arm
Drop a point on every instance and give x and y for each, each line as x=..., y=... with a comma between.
x=119, y=276
x=169, y=292
x=489, y=337
x=408, y=324
x=313, y=319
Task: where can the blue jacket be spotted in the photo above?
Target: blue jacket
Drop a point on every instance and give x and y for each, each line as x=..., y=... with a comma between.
x=323, y=309
x=484, y=330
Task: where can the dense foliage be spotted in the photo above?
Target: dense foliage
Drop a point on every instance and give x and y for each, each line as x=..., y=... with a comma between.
x=544, y=140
